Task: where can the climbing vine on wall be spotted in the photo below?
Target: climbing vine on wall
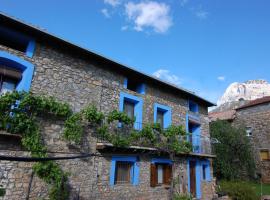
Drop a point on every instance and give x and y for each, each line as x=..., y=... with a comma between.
x=20, y=111
x=18, y=115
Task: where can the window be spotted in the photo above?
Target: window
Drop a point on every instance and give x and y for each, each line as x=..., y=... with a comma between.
x=134, y=85
x=248, y=131
x=8, y=79
x=17, y=41
x=193, y=107
x=124, y=170
x=17, y=71
x=133, y=106
x=160, y=172
x=160, y=118
x=129, y=108
x=264, y=154
x=162, y=115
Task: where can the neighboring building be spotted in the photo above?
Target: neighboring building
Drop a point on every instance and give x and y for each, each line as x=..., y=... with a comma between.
x=255, y=117
x=36, y=61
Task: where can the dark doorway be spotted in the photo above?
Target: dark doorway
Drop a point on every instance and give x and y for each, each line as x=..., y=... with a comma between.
x=192, y=175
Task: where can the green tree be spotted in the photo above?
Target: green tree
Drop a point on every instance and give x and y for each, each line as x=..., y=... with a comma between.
x=234, y=160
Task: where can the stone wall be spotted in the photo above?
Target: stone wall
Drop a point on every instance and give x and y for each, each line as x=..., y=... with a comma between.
x=81, y=82
x=258, y=118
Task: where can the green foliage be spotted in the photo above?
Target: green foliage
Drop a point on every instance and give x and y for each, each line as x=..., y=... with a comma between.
x=73, y=130
x=92, y=115
x=147, y=133
x=174, y=131
x=119, y=116
x=238, y=190
x=2, y=192
x=234, y=153
x=182, y=197
x=18, y=112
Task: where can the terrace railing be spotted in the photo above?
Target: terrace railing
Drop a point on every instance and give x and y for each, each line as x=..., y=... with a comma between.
x=200, y=144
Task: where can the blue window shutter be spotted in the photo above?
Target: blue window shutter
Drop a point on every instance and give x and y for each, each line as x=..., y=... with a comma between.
x=112, y=172
x=136, y=177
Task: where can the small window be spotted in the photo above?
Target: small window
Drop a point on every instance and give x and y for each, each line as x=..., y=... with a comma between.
x=8, y=79
x=14, y=40
x=204, y=167
x=123, y=173
x=193, y=107
x=264, y=154
x=134, y=85
x=160, y=118
x=248, y=131
x=129, y=108
x=161, y=174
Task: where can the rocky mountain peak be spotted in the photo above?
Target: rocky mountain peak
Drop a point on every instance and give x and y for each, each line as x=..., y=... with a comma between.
x=239, y=93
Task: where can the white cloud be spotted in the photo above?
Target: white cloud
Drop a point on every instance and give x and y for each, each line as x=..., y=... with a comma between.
x=166, y=75
x=105, y=12
x=183, y=2
x=124, y=28
x=221, y=78
x=112, y=2
x=201, y=14
x=149, y=14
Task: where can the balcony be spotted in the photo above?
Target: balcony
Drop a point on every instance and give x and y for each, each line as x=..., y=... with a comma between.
x=200, y=145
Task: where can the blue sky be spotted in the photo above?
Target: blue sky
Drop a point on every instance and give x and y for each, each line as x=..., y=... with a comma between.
x=200, y=45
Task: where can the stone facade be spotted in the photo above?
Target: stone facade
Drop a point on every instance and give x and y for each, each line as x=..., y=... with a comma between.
x=80, y=82
x=257, y=117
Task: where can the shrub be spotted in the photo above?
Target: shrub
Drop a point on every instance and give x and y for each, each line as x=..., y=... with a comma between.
x=2, y=192
x=182, y=197
x=238, y=190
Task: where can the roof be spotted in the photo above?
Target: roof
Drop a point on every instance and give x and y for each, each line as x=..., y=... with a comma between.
x=224, y=115
x=255, y=102
x=44, y=36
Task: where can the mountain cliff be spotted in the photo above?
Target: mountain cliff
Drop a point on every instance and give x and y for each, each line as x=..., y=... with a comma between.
x=239, y=93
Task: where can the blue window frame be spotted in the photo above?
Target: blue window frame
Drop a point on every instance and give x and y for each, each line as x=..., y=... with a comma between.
x=25, y=67
x=206, y=173
x=138, y=107
x=193, y=107
x=134, y=170
x=167, y=114
x=17, y=41
x=193, y=126
x=134, y=86
x=161, y=160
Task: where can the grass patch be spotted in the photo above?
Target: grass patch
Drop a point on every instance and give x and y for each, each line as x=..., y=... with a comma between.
x=257, y=187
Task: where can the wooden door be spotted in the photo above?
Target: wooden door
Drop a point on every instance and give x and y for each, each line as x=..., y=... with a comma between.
x=192, y=175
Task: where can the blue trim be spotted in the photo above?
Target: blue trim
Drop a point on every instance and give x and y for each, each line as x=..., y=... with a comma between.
x=198, y=179
x=27, y=69
x=141, y=88
x=208, y=170
x=187, y=126
x=138, y=110
x=167, y=114
x=196, y=133
x=198, y=176
x=134, y=172
x=125, y=82
x=30, y=48
x=161, y=160
x=193, y=107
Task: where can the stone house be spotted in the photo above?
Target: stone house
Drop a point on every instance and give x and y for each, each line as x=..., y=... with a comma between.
x=255, y=117
x=34, y=60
